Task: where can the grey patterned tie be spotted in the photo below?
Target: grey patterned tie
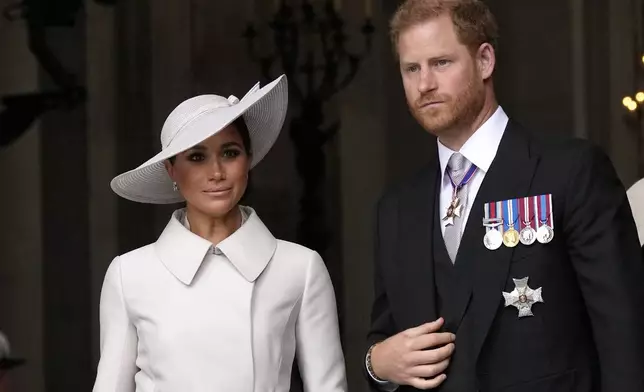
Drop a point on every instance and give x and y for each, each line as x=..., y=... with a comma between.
x=457, y=166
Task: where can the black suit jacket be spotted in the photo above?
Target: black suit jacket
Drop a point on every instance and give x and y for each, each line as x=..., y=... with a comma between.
x=588, y=335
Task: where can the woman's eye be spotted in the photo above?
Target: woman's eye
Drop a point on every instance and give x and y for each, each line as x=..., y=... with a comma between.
x=231, y=153
x=196, y=157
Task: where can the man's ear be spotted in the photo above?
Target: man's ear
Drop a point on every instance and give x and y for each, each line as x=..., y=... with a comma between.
x=486, y=60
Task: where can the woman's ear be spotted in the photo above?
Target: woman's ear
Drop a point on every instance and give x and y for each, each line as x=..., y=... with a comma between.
x=170, y=168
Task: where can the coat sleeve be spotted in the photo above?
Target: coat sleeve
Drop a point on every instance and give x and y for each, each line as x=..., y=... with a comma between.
x=603, y=245
x=118, y=338
x=319, y=350
x=382, y=323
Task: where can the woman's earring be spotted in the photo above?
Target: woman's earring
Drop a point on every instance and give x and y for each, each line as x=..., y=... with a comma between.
x=175, y=187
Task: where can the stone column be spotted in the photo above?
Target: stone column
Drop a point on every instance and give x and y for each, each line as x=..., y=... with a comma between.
x=623, y=58
x=21, y=269
x=65, y=225
x=363, y=150
x=135, y=136
x=101, y=140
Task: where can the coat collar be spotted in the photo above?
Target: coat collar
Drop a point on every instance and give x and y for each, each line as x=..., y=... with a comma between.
x=182, y=251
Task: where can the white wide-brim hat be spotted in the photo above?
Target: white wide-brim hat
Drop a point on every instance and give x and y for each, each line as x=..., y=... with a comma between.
x=197, y=119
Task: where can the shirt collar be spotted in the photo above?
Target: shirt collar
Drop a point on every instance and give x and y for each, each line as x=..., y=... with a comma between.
x=182, y=251
x=481, y=147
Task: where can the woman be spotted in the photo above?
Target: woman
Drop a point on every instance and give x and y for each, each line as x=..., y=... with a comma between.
x=216, y=303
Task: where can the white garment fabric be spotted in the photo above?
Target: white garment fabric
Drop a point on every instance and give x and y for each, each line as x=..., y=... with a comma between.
x=184, y=315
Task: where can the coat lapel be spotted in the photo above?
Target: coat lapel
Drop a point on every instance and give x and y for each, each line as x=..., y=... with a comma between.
x=486, y=272
x=415, y=219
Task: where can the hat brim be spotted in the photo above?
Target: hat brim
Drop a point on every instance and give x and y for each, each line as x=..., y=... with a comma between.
x=264, y=112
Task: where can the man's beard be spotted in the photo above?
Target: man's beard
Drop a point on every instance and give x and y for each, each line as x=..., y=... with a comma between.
x=454, y=113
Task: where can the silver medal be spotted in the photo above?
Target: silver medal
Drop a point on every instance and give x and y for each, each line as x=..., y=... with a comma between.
x=523, y=297
x=545, y=234
x=528, y=235
x=493, y=239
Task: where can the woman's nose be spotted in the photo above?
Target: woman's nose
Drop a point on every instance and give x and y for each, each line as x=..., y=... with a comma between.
x=218, y=173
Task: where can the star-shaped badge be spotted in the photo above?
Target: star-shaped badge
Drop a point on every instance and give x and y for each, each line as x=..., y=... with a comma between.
x=454, y=210
x=523, y=297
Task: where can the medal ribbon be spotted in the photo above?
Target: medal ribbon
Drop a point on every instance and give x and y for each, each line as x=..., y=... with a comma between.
x=491, y=221
x=551, y=221
x=545, y=210
x=515, y=214
x=509, y=213
x=522, y=213
x=500, y=215
x=537, y=221
x=543, y=207
x=526, y=213
x=468, y=176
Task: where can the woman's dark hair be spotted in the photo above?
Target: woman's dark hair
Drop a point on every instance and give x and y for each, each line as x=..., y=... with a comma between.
x=242, y=129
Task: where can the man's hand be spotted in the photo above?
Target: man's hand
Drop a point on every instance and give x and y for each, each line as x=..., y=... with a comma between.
x=417, y=356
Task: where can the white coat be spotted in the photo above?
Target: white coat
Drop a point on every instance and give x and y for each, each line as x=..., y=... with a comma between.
x=183, y=315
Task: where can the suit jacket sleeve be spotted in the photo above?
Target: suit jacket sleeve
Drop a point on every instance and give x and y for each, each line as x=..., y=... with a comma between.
x=382, y=323
x=604, y=249
x=117, y=366
x=319, y=350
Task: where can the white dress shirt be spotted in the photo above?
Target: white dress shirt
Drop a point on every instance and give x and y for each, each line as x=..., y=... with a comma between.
x=184, y=315
x=480, y=149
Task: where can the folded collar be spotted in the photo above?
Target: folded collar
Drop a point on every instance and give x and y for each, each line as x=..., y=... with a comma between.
x=249, y=249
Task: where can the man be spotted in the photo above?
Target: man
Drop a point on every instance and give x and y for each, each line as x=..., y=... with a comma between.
x=510, y=263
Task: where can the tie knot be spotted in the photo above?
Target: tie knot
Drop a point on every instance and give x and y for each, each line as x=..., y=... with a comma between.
x=456, y=162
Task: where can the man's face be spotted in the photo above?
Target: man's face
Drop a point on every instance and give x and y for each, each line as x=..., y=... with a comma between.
x=443, y=84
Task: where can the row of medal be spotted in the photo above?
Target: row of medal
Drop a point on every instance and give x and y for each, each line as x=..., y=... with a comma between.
x=524, y=220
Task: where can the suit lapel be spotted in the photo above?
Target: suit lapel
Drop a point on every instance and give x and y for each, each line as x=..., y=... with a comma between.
x=486, y=272
x=416, y=214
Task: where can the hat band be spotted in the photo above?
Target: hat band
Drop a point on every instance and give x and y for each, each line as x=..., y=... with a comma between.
x=233, y=100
